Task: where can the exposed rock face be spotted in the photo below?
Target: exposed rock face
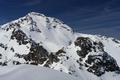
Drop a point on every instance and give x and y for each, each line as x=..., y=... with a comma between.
x=96, y=63
x=20, y=37
x=101, y=63
x=85, y=44
x=37, y=54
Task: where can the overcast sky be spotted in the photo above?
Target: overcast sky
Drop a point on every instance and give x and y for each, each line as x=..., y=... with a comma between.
x=86, y=16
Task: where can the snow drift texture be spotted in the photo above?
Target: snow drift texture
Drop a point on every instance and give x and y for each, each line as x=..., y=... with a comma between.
x=44, y=41
x=28, y=72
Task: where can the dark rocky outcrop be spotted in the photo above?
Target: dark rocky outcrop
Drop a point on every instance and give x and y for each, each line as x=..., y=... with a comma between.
x=97, y=63
x=85, y=44
x=3, y=46
x=101, y=63
x=20, y=37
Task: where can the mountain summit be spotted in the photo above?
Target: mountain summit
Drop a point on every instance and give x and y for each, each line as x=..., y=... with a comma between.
x=45, y=41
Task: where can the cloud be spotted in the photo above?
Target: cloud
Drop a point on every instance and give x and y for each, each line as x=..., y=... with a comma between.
x=32, y=2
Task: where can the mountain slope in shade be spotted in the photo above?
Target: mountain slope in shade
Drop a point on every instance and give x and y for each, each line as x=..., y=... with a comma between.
x=44, y=41
x=28, y=72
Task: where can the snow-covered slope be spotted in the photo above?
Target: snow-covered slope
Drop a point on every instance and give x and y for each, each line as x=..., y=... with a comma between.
x=44, y=41
x=29, y=72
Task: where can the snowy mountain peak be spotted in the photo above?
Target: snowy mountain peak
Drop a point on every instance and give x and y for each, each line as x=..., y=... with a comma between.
x=35, y=13
x=45, y=41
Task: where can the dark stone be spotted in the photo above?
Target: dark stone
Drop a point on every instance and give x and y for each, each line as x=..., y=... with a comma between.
x=67, y=57
x=60, y=51
x=4, y=64
x=85, y=44
x=3, y=46
x=97, y=64
x=37, y=54
x=20, y=37
x=0, y=56
x=101, y=63
x=16, y=62
x=12, y=49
